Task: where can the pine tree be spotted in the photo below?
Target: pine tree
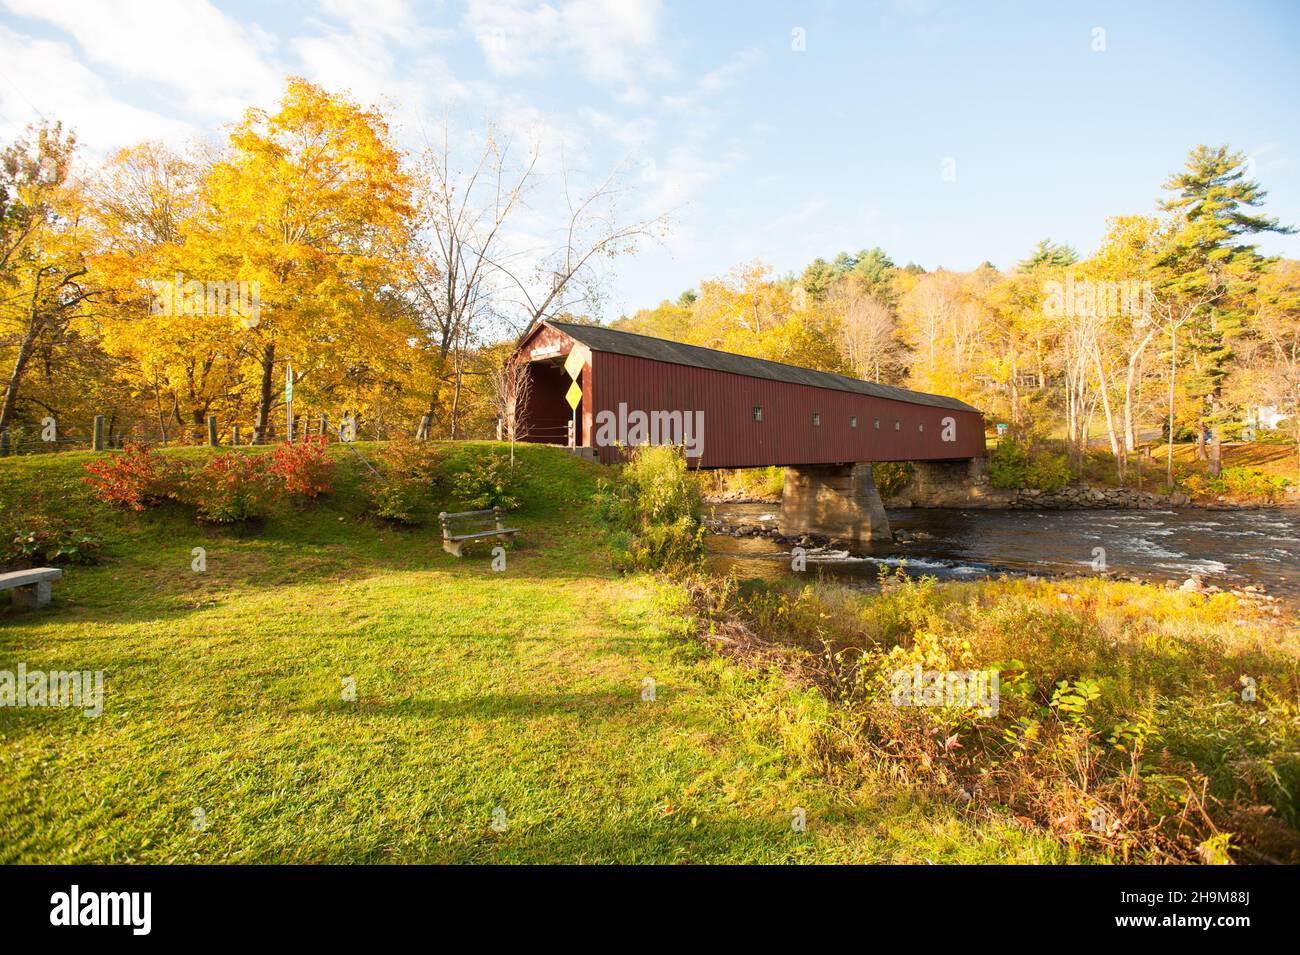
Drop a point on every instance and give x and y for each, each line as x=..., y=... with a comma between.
x=1208, y=257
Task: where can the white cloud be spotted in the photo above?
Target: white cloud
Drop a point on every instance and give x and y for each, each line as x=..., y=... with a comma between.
x=393, y=19
x=45, y=76
x=717, y=81
x=213, y=63
x=611, y=42
x=682, y=177
x=633, y=133
x=808, y=211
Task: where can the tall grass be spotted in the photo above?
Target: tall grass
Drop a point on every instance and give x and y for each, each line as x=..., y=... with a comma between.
x=1133, y=722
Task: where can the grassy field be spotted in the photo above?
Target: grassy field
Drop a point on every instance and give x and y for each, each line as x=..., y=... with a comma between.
x=1274, y=459
x=475, y=690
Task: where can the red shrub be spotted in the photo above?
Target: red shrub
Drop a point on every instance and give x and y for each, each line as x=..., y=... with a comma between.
x=304, y=468
x=136, y=478
x=234, y=487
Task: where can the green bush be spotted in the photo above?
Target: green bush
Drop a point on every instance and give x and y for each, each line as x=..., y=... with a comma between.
x=487, y=481
x=653, y=510
x=1019, y=461
x=40, y=539
x=410, y=475
x=891, y=477
x=1249, y=482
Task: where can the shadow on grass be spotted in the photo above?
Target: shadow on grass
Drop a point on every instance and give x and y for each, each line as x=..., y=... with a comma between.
x=490, y=706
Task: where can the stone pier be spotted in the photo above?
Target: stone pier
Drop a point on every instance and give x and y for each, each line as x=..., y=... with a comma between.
x=839, y=501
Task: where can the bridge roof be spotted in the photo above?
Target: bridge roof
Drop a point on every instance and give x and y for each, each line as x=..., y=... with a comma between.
x=600, y=338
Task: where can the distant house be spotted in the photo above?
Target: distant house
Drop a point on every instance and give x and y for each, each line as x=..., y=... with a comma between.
x=1262, y=418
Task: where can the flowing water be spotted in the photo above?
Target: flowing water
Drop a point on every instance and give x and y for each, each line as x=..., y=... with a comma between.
x=1228, y=548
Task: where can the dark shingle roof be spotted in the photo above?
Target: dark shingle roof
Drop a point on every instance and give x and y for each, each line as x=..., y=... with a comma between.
x=600, y=338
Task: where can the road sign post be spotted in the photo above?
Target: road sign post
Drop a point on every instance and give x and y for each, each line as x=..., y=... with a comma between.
x=288, y=401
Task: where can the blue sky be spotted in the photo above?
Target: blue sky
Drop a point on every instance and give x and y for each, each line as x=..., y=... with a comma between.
x=758, y=149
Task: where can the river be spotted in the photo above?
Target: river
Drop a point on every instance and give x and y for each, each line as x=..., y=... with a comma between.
x=1227, y=548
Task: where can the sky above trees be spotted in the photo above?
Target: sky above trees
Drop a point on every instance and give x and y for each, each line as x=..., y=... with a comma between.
x=946, y=134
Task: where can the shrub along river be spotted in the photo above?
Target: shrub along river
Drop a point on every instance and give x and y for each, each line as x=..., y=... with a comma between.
x=1230, y=548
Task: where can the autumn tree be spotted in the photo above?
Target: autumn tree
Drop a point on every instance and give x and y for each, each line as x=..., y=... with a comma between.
x=312, y=203
x=44, y=280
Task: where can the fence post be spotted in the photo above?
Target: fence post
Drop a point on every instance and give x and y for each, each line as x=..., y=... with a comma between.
x=325, y=427
x=212, y=431
x=422, y=434
x=234, y=435
x=97, y=443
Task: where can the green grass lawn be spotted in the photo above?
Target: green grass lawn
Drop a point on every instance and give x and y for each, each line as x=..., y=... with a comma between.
x=223, y=691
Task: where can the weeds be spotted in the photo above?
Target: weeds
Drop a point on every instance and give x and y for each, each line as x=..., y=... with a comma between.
x=1121, y=726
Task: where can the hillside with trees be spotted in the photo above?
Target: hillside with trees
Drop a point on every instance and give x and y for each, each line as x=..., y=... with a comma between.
x=1176, y=319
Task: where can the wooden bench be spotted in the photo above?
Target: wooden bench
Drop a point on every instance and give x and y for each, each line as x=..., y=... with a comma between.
x=460, y=528
x=31, y=588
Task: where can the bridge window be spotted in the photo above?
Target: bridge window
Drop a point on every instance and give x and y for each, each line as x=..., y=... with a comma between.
x=758, y=412
x=817, y=419
x=875, y=423
x=853, y=421
x=898, y=425
x=920, y=427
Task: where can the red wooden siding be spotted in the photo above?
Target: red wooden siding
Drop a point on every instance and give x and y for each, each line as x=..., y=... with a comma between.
x=732, y=438
x=786, y=435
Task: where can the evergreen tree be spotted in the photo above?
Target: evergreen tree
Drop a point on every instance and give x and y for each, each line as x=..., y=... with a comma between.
x=1208, y=256
x=1049, y=254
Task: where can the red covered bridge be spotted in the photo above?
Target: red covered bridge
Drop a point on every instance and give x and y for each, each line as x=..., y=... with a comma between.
x=732, y=411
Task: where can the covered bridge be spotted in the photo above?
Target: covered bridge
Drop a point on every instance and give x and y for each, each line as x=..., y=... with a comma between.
x=733, y=411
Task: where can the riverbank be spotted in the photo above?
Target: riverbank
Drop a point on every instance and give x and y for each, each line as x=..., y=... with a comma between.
x=1125, y=721
x=1072, y=497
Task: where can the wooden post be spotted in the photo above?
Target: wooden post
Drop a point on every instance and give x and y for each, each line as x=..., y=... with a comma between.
x=4, y=443
x=234, y=435
x=212, y=431
x=97, y=443
x=325, y=427
x=288, y=402
x=423, y=433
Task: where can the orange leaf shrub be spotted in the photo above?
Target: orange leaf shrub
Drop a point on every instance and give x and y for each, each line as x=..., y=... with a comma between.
x=304, y=468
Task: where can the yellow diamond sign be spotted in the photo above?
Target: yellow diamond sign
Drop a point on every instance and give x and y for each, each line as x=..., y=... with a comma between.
x=573, y=396
x=573, y=364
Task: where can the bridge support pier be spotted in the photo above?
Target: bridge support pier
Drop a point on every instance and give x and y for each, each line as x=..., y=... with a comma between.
x=839, y=501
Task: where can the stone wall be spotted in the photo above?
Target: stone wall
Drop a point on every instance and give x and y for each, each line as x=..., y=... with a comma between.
x=966, y=484
x=951, y=484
